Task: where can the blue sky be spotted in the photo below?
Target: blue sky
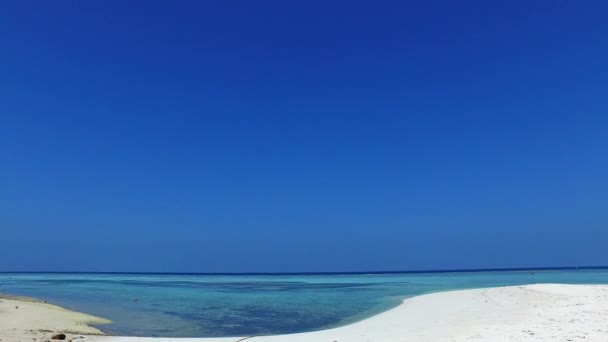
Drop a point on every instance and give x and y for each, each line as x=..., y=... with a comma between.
x=283, y=136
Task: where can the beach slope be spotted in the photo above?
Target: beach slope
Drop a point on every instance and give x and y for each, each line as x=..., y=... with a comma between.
x=24, y=319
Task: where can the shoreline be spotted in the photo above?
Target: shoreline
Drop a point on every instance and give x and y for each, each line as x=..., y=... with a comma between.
x=31, y=319
x=514, y=313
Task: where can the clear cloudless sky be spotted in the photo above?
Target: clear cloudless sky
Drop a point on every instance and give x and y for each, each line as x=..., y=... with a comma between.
x=284, y=136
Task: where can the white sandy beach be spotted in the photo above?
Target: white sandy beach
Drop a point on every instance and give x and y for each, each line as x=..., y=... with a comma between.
x=23, y=319
x=519, y=313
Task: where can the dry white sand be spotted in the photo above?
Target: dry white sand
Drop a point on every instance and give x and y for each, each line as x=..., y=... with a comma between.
x=517, y=313
x=23, y=319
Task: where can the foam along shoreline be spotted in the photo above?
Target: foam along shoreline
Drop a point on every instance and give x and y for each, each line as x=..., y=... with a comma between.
x=26, y=319
x=542, y=312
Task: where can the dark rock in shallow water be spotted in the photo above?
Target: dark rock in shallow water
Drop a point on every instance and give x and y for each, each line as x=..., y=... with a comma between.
x=58, y=337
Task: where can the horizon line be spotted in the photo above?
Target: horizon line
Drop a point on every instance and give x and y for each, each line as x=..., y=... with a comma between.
x=464, y=270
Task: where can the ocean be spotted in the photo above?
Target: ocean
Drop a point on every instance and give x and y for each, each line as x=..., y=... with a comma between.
x=207, y=305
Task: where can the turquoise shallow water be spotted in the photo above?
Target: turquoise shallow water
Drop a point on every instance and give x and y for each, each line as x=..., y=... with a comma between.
x=238, y=305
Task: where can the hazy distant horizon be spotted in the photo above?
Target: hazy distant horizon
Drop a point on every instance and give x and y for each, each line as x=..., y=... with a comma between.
x=465, y=270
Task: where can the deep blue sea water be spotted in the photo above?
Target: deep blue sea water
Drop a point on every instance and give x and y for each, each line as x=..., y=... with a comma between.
x=242, y=305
